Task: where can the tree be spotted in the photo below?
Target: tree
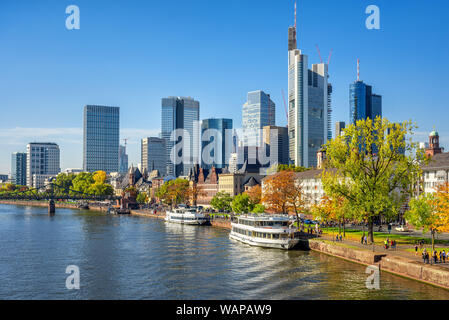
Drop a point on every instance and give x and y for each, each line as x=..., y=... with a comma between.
x=255, y=194
x=174, y=192
x=275, y=191
x=82, y=182
x=431, y=212
x=142, y=198
x=221, y=201
x=373, y=167
x=259, y=208
x=330, y=209
x=242, y=204
x=291, y=167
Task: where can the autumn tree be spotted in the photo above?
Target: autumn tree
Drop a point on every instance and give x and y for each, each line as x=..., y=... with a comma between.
x=374, y=167
x=431, y=212
x=195, y=191
x=255, y=194
x=174, y=192
x=282, y=193
x=332, y=209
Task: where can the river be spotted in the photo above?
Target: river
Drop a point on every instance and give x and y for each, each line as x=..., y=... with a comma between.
x=124, y=257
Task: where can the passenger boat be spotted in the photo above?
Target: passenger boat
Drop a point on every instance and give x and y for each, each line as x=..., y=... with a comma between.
x=266, y=230
x=186, y=215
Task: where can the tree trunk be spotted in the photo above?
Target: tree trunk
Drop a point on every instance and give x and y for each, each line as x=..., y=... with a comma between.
x=370, y=229
x=433, y=240
x=344, y=228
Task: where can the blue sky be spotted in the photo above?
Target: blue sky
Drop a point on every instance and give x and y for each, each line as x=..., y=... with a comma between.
x=132, y=53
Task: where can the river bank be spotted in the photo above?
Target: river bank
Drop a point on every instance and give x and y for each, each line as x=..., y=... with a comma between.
x=45, y=204
x=386, y=261
x=389, y=262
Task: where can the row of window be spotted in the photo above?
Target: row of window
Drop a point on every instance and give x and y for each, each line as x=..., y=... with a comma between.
x=262, y=235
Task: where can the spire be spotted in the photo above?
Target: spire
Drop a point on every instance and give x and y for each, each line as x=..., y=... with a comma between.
x=295, y=15
x=358, y=69
x=292, y=42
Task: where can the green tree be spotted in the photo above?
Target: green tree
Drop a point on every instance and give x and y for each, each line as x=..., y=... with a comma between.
x=221, y=201
x=291, y=167
x=174, y=192
x=242, y=204
x=259, y=208
x=142, y=197
x=373, y=167
x=82, y=182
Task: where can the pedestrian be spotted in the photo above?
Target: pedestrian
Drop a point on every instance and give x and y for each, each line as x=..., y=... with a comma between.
x=341, y=238
x=427, y=257
x=444, y=256
x=435, y=258
x=366, y=240
x=441, y=257
x=416, y=249
x=424, y=256
x=363, y=237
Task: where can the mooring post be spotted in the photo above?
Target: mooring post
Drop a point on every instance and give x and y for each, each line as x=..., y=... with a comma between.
x=51, y=208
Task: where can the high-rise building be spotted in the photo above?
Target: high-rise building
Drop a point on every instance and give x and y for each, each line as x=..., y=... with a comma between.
x=339, y=126
x=153, y=155
x=363, y=103
x=181, y=113
x=101, y=138
x=42, y=162
x=309, y=105
x=276, y=139
x=123, y=159
x=258, y=111
x=216, y=142
x=19, y=168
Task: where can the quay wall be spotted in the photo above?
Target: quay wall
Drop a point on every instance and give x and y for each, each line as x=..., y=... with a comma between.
x=430, y=274
x=221, y=223
x=33, y=203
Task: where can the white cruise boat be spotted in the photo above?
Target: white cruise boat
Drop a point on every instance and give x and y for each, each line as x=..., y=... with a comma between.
x=270, y=231
x=186, y=215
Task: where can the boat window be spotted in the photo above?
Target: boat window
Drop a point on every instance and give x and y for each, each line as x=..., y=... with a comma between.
x=276, y=236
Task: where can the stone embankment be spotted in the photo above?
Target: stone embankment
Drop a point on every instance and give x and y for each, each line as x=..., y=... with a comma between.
x=45, y=204
x=431, y=274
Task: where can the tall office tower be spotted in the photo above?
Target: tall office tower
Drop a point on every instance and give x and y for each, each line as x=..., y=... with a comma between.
x=216, y=142
x=19, y=168
x=123, y=159
x=181, y=113
x=309, y=99
x=153, y=155
x=276, y=138
x=42, y=162
x=339, y=126
x=363, y=104
x=101, y=138
x=259, y=111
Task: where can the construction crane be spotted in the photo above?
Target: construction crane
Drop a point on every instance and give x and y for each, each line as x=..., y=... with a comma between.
x=319, y=55
x=126, y=141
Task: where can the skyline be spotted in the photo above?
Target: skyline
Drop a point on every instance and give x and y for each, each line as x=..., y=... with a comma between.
x=61, y=71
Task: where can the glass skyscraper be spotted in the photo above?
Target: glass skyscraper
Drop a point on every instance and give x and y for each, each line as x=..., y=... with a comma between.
x=19, y=168
x=216, y=150
x=181, y=113
x=123, y=159
x=42, y=162
x=153, y=155
x=101, y=138
x=259, y=111
x=363, y=103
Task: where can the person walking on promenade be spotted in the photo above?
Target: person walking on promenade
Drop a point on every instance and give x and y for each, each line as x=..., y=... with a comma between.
x=424, y=256
x=416, y=249
x=435, y=258
x=366, y=240
x=341, y=238
x=444, y=256
x=363, y=238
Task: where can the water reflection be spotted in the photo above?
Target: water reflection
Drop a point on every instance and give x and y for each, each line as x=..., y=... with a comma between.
x=138, y=258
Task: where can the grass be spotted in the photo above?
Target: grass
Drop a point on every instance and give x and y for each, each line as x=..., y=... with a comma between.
x=438, y=249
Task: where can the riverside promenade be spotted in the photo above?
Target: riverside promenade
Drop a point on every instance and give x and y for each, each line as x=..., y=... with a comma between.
x=398, y=261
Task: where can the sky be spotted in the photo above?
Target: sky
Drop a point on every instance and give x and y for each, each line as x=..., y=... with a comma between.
x=133, y=53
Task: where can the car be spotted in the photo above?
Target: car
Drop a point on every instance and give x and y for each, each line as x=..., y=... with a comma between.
x=402, y=229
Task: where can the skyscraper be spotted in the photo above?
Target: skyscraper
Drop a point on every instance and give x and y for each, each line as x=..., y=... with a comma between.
x=153, y=155
x=258, y=111
x=276, y=138
x=101, y=138
x=363, y=103
x=19, y=168
x=216, y=149
x=42, y=162
x=309, y=99
x=339, y=126
x=181, y=113
x=123, y=159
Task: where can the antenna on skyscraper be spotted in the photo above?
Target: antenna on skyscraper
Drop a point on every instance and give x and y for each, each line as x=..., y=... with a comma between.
x=358, y=69
x=295, y=15
x=319, y=53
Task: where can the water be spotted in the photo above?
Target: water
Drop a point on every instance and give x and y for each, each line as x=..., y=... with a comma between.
x=122, y=257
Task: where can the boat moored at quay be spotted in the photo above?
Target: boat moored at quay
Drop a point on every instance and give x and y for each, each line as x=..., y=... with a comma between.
x=186, y=215
x=266, y=230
